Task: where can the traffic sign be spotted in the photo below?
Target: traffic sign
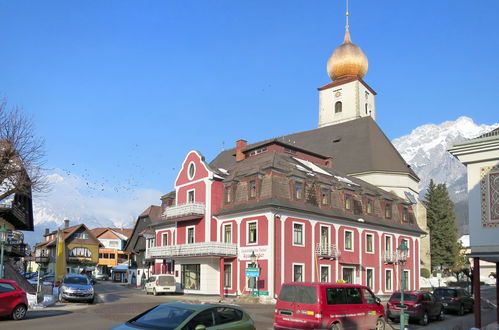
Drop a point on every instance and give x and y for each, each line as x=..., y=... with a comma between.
x=252, y=272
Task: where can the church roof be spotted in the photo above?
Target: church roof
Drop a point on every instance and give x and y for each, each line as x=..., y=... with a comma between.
x=356, y=146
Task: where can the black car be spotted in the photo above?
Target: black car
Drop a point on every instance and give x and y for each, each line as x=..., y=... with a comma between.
x=456, y=300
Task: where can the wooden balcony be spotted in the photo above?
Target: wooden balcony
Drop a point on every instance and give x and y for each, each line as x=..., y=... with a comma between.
x=182, y=212
x=190, y=250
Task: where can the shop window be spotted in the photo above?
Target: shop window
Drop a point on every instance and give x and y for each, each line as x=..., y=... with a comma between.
x=191, y=277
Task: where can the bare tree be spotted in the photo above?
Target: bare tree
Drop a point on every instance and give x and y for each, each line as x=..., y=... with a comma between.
x=22, y=154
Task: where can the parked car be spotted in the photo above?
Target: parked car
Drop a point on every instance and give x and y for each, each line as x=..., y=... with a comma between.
x=303, y=305
x=76, y=288
x=13, y=301
x=160, y=284
x=457, y=300
x=101, y=277
x=420, y=306
x=176, y=315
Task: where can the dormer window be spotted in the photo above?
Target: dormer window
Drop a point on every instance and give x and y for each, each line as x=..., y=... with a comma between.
x=298, y=190
x=370, y=206
x=338, y=107
x=252, y=189
x=388, y=210
x=325, y=196
x=405, y=214
x=348, y=202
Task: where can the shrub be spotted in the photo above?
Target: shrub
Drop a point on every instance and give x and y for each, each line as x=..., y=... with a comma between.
x=425, y=273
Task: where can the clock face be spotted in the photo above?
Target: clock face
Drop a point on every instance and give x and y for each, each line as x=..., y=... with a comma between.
x=337, y=94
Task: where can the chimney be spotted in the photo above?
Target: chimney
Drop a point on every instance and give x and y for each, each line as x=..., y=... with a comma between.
x=66, y=223
x=47, y=231
x=329, y=162
x=240, y=145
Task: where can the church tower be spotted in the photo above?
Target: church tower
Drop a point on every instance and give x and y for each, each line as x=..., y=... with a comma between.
x=347, y=97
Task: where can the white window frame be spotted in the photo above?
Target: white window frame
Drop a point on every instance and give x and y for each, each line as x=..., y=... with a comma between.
x=248, y=232
x=302, y=271
x=391, y=243
x=390, y=289
x=187, y=234
x=374, y=277
x=408, y=282
x=224, y=227
x=345, y=240
x=188, y=170
x=354, y=272
x=187, y=201
x=328, y=272
x=373, y=245
x=302, y=233
x=231, y=273
x=328, y=236
x=163, y=241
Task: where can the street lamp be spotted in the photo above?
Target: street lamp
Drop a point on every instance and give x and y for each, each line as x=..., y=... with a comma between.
x=3, y=241
x=254, y=260
x=402, y=258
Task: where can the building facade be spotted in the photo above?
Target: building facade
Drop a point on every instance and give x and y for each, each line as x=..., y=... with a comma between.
x=112, y=253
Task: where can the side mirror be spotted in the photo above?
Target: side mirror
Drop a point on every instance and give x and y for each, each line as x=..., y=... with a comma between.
x=200, y=327
x=378, y=301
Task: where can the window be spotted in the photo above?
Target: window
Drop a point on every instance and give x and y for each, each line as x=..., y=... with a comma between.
x=81, y=235
x=228, y=195
x=227, y=315
x=227, y=234
x=388, y=280
x=105, y=256
x=190, y=196
x=369, y=296
x=164, y=239
x=205, y=319
x=388, y=244
x=252, y=189
x=192, y=171
x=369, y=243
x=100, y=255
x=338, y=107
x=348, y=275
x=298, y=190
x=366, y=109
x=191, y=277
x=370, y=206
x=6, y=287
x=348, y=240
x=258, y=151
x=324, y=238
x=405, y=214
x=406, y=280
x=297, y=273
x=348, y=202
x=325, y=196
x=370, y=278
x=112, y=255
x=405, y=241
x=190, y=235
x=388, y=210
x=252, y=233
x=227, y=276
x=297, y=234
x=324, y=274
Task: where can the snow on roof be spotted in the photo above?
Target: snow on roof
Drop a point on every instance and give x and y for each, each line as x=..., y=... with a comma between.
x=312, y=166
x=345, y=180
x=306, y=170
x=224, y=171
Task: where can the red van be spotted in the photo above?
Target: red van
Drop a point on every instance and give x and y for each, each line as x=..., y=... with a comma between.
x=303, y=305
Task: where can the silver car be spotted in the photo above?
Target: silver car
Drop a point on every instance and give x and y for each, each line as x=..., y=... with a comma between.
x=76, y=288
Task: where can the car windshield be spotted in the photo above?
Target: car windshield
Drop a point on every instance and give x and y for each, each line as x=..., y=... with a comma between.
x=76, y=280
x=407, y=297
x=162, y=317
x=447, y=293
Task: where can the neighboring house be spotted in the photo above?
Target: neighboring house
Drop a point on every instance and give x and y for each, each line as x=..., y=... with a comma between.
x=486, y=268
x=112, y=253
x=481, y=157
x=140, y=268
x=82, y=249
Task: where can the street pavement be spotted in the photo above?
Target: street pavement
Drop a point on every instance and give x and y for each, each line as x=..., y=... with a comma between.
x=117, y=303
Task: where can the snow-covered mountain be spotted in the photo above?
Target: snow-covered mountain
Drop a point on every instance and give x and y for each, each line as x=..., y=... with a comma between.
x=425, y=149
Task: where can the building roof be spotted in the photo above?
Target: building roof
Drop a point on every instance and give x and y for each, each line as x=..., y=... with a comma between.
x=136, y=242
x=121, y=233
x=67, y=234
x=356, y=146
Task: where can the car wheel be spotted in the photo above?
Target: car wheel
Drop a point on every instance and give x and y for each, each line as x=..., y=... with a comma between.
x=424, y=319
x=441, y=315
x=461, y=310
x=380, y=324
x=335, y=326
x=91, y=301
x=154, y=292
x=61, y=299
x=19, y=312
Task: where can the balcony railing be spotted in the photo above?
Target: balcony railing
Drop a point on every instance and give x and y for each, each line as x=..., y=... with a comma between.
x=390, y=257
x=187, y=211
x=329, y=251
x=194, y=249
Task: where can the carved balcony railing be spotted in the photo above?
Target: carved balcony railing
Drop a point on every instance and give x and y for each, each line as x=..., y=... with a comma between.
x=327, y=251
x=194, y=249
x=188, y=211
x=390, y=257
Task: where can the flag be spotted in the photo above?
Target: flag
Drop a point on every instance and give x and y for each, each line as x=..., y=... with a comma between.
x=60, y=262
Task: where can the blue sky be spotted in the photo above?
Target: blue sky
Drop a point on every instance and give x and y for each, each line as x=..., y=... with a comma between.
x=122, y=90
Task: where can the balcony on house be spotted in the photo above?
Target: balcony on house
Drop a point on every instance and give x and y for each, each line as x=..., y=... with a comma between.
x=42, y=256
x=188, y=211
x=390, y=257
x=327, y=251
x=194, y=249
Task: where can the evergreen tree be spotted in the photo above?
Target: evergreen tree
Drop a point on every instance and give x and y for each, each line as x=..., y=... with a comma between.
x=443, y=229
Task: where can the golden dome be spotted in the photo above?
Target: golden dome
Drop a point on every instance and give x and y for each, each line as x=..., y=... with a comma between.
x=347, y=60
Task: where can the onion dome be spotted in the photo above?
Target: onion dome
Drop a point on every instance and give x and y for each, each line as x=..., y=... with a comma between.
x=347, y=60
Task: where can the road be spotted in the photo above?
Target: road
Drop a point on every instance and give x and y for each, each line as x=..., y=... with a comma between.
x=117, y=304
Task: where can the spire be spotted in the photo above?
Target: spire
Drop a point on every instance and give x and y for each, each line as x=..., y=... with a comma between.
x=347, y=30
